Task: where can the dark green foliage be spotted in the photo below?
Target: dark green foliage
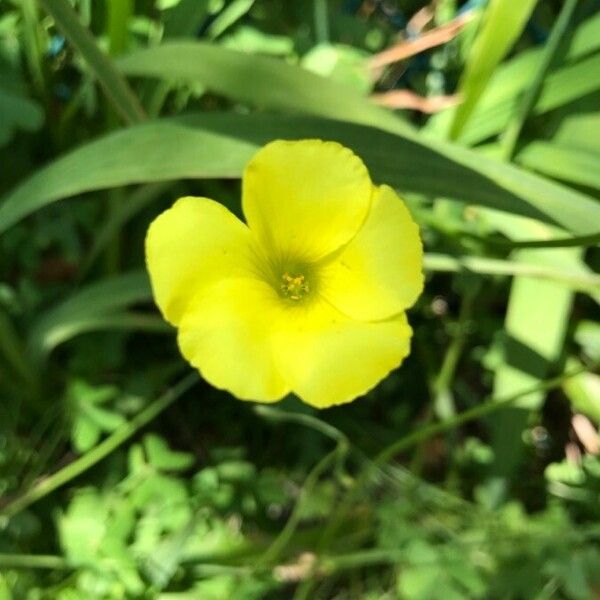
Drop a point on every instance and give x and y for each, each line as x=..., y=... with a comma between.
x=122, y=477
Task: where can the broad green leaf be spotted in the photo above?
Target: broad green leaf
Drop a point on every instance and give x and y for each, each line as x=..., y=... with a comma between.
x=219, y=145
x=502, y=24
x=575, y=165
x=340, y=63
x=259, y=80
x=46, y=340
x=122, y=214
x=116, y=88
x=535, y=327
x=97, y=306
x=580, y=130
x=5, y=593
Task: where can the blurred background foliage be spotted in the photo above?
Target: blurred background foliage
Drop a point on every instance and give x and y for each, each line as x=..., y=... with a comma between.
x=471, y=472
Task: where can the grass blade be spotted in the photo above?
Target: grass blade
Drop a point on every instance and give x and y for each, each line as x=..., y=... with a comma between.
x=509, y=139
x=503, y=23
x=259, y=80
x=99, y=303
x=574, y=165
x=219, y=145
x=116, y=88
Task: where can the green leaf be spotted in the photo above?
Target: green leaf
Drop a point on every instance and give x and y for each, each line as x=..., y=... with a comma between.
x=96, y=306
x=231, y=13
x=17, y=110
x=587, y=336
x=184, y=19
x=574, y=165
x=11, y=348
x=105, y=420
x=345, y=64
x=535, y=327
x=219, y=145
x=5, y=593
x=82, y=527
x=161, y=457
x=84, y=434
x=566, y=83
x=90, y=419
x=116, y=88
x=236, y=471
x=510, y=137
x=259, y=80
x=560, y=87
x=583, y=391
x=502, y=24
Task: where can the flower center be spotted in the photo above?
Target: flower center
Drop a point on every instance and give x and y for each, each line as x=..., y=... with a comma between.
x=294, y=287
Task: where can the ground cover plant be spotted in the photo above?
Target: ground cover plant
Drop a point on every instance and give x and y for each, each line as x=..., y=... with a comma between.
x=471, y=471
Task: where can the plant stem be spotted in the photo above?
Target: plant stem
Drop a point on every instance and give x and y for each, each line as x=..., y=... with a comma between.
x=33, y=561
x=102, y=450
x=281, y=541
x=442, y=387
x=491, y=266
x=321, y=21
x=116, y=87
x=32, y=46
x=476, y=412
x=424, y=433
x=326, y=429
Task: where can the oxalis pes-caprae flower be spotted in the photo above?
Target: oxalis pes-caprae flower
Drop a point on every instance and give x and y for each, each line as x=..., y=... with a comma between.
x=309, y=295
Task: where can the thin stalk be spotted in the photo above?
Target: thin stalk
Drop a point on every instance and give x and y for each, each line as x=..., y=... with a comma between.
x=510, y=138
x=581, y=281
x=442, y=387
x=321, y=21
x=429, y=431
x=101, y=451
x=32, y=45
x=274, y=414
x=33, y=561
x=455, y=229
x=489, y=406
x=118, y=13
x=282, y=540
x=115, y=86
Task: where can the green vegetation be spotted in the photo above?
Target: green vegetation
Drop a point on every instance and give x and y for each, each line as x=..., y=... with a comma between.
x=473, y=471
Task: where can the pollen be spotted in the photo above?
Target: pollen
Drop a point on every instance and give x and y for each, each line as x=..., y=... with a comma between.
x=294, y=287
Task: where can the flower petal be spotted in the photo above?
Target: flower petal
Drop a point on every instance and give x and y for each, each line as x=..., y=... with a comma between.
x=304, y=199
x=189, y=246
x=379, y=273
x=225, y=334
x=329, y=359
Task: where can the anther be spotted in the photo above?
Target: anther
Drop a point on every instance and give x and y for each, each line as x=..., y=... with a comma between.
x=294, y=287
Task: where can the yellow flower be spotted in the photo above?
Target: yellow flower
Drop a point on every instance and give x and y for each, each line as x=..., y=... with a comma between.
x=308, y=296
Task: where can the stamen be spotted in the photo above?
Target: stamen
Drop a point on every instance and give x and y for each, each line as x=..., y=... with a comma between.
x=294, y=287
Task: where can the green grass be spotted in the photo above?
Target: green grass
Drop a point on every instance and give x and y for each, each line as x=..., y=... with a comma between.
x=124, y=475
